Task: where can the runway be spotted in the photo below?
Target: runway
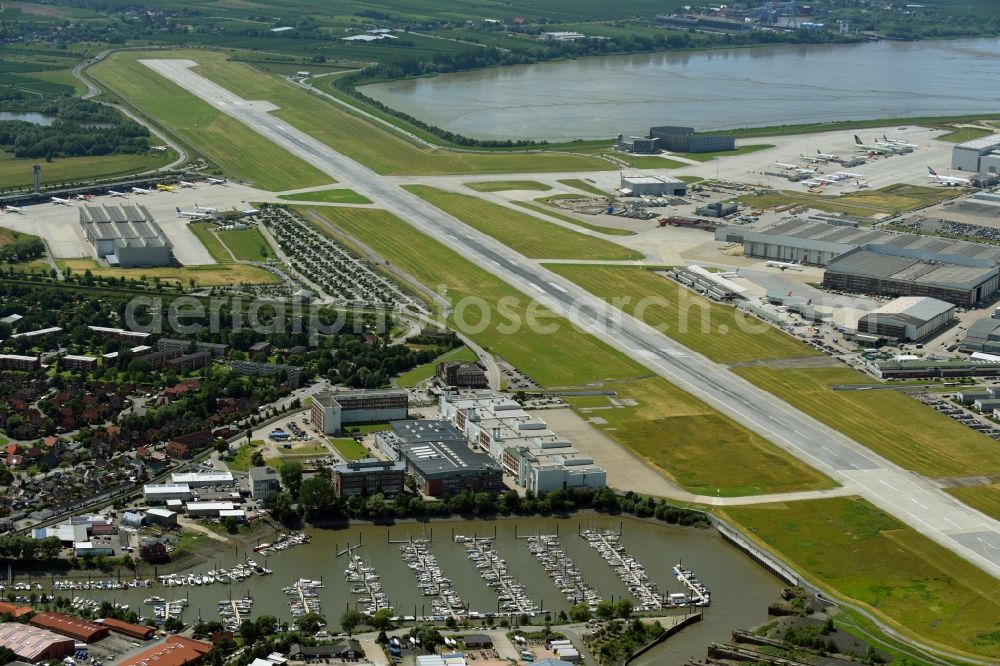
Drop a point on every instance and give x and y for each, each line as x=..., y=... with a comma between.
x=909, y=497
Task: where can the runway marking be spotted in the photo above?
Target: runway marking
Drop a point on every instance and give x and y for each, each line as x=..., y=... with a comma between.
x=558, y=287
x=645, y=353
x=536, y=288
x=953, y=523
x=670, y=351
x=495, y=262
x=918, y=503
x=986, y=543
x=884, y=483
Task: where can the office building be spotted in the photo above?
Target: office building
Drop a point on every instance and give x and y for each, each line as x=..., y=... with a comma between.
x=369, y=476
x=462, y=375
x=909, y=318
x=126, y=236
x=440, y=469
x=263, y=482
x=331, y=411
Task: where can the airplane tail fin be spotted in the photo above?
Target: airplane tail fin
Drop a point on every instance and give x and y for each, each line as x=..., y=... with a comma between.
x=857, y=140
x=932, y=172
x=178, y=210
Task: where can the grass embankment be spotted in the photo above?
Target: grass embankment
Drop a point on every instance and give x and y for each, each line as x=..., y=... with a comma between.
x=341, y=196
x=583, y=185
x=507, y=185
x=246, y=244
x=234, y=147
x=17, y=172
x=722, y=333
x=740, y=150
x=852, y=549
x=888, y=422
x=532, y=237
x=962, y=134
x=203, y=276
x=374, y=145
x=349, y=449
x=982, y=498
x=205, y=232
x=815, y=128
x=865, y=203
x=700, y=448
x=611, y=231
x=9, y=236
x=426, y=371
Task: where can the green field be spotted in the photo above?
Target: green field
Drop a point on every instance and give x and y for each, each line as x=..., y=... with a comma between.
x=506, y=185
x=373, y=145
x=865, y=203
x=203, y=276
x=246, y=244
x=426, y=371
x=237, y=149
x=9, y=236
x=962, y=134
x=611, y=231
x=206, y=234
x=584, y=186
x=703, y=450
x=241, y=461
x=740, y=150
x=349, y=449
x=888, y=422
x=852, y=549
x=340, y=196
x=722, y=333
x=984, y=498
x=532, y=237
x=17, y=172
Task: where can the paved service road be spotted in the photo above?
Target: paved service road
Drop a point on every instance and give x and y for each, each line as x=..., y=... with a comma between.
x=907, y=496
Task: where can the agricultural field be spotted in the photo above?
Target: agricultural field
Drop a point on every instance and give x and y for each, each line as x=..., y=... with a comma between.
x=665, y=425
x=17, y=173
x=38, y=73
x=234, y=147
x=865, y=203
x=246, y=244
x=850, y=548
x=340, y=196
x=611, y=231
x=532, y=237
x=507, y=185
x=722, y=333
x=426, y=371
x=201, y=276
x=985, y=498
x=888, y=422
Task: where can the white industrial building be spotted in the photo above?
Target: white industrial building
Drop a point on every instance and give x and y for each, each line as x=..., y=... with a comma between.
x=164, y=517
x=980, y=155
x=203, y=479
x=908, y=318
x=126, y=236
x=656, y=186
x=160, y=493
x=208, y=509
x=263, y=482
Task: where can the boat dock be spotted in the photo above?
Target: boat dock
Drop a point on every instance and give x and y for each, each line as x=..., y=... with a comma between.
x=511, y=595
x=629, y=570
x=431, y=579
x=234, y=611
x=367, y=585
x=304, y=596
x=699, y=594
x=562, y=570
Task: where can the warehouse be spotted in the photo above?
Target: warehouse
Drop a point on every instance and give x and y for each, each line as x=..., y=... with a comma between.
x=158, y=493
x=202, y=479
x=885, y=270
x=637, y=145
x=34, y=644
x=655, y=186
x=909, y=318
x=440, y=469
x=208, y=509
x=173, y=651
x=128, y=629
x=164, y=517
x=684, y=140
x=73, y=627
x=126, y=236
x=330, y=411
x=816, y=243
x=980, y=155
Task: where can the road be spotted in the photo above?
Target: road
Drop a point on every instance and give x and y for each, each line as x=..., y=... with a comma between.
x=909, y=497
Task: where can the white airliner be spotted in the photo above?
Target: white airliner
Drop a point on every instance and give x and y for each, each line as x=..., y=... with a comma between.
x=205, y=209
x=249, y=211
x=899, y=142
x=116, y=193
x=812, y=160
x=813, y=182
x=784, y=165
x=184, y=183
x=13, y=209
x=806, y=171
x=217, y=181
x=785, y=265
x=848, y=174
x=873, y=148
x=948, y=181
x=141, y=190
x=190, y=214
x=62, y=202
x=826, y=156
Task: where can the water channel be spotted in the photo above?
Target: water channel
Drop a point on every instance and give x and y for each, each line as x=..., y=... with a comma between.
x=740, y=589
x=28, y=117
x=598, y=97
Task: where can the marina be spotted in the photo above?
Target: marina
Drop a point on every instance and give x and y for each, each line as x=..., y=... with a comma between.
x=512, y=597
x=629, y=570
x=371, y=596
x=304, y=597
x=234, y=611
x=431, y=580
x=563, y=572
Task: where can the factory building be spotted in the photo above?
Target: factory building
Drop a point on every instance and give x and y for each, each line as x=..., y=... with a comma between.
x=885, y=270
x=418, y=431
x=160, y=493
x=139, y=631
x=655, y=186
x=983, y=336
x=126, y=236
x=330, y=411
x=684, y=140
x=368, y=476
x=545, y=468
x=637, y=145
x=440, y=469
x=706, y=282
x=980, y=155
x=34, y=644
x=817, y=243
x=172, y=651
x=909, y=318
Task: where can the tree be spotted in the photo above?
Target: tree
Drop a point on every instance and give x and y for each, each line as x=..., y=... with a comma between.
x=381, y=619
x=221, y=447
x=280, y=505
x=230, y=524
x=350, y=620
x=257, y=459
x=625, y=607
x=310, y=623
x=291, y=476
x=605, y=610
x=318, y=497
x=579, y=612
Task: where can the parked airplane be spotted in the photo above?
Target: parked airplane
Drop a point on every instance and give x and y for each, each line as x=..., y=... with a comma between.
x=785, y=265
x=116, y=193
x=848, y=174
x=62, y=202
x=899, y=142
x=896, y=148
x=190, y=214
x=141, y=190
x=862, y=184
x=249, y=211
x=826, y=156
x=14, y=209
x=813, y=160
x=165, y=188
x=184, y=183
x=82, y=197
x=217, y=181
x=872, y=148
x=205, y=209
x=160, y=149
x=813, y=182
x=948, y=181
x=785, y=165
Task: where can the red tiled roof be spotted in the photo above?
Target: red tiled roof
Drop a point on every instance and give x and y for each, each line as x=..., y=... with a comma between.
x=129, y=629
x=70, y=626
x=174, y=651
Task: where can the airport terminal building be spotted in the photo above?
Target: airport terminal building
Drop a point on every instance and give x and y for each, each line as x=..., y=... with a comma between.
x=980, y=155
x=126, y=236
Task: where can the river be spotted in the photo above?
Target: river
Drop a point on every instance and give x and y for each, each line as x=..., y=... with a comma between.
x=598, y=97
x=741, y=590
